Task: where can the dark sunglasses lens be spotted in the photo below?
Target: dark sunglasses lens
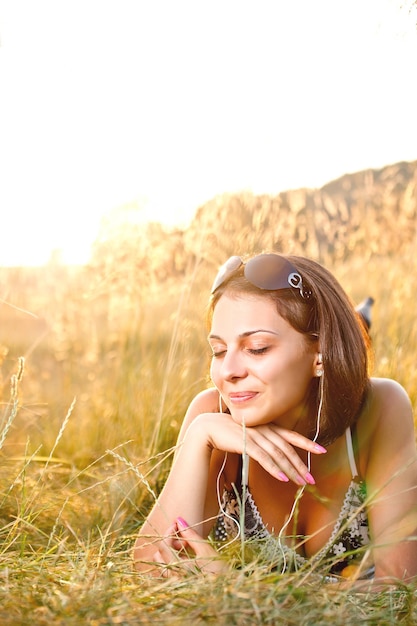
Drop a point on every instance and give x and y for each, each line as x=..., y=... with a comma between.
x=231, y=265
x=269, y=271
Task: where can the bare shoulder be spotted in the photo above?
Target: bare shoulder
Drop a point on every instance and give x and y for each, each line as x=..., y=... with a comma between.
x=390, y=473
x=389, y=399
x=387, y=419
x=207, y=401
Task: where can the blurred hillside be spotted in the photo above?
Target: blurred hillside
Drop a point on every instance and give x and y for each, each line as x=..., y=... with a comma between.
x=365, y=213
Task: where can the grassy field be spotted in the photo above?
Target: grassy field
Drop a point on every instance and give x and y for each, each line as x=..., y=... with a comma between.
x=97, y=369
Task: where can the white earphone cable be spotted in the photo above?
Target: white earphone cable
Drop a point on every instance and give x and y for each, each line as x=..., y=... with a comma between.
x=300, y=491
x=219, y=498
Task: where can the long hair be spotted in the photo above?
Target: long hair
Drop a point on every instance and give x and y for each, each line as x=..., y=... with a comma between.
x=327, y=318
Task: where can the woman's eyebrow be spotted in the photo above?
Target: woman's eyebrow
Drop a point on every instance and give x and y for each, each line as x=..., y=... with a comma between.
x=258, y=330
x=248, y=333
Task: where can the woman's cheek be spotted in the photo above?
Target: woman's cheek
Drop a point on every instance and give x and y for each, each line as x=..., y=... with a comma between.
x=214, y=373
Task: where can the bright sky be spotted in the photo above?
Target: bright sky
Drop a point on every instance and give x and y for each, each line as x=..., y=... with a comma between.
x=165, y=104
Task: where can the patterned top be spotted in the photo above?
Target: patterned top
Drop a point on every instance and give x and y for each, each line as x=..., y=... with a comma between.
x=343, y=552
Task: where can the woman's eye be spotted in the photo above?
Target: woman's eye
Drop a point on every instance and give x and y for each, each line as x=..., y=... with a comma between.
x=258, y=350
x=217, y=353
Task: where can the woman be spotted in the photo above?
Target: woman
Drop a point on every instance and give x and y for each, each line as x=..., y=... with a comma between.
x=323, y=457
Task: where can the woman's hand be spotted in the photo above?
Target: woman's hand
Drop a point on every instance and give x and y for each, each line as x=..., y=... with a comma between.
x=183, y=551
x=268, y=444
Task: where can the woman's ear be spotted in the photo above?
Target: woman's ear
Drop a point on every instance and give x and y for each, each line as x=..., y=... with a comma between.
x=318, y=364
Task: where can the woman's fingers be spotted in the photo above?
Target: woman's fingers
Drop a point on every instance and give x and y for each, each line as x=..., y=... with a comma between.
x=166, y=556
x=198, y=545
x=290, y=459
x=206, y=557
x=161, y=568
x=268, y=444
x=194, y=552
x=299, y=441
x=270, y=447
x=283, y=464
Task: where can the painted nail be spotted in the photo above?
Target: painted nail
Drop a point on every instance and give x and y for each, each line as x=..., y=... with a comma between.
x=300, y=480
x=182, y=523
x=319, y=448
x=310, y=479
x=283, y=477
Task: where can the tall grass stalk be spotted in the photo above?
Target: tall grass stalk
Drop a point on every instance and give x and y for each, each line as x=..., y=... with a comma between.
x=13, y=405
x=59, y=437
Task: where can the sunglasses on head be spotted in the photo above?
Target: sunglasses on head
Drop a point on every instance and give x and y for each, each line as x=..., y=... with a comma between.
x=265, y=271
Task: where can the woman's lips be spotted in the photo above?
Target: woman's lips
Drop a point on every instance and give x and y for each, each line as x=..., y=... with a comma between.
x=242, y=396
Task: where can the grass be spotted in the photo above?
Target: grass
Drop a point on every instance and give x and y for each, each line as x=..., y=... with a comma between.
x=96, y=376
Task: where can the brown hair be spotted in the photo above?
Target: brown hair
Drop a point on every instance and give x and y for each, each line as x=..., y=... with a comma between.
x=329, y=317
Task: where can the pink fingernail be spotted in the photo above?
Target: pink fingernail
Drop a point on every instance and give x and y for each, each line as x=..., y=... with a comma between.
x=182, y=523
x=310, y=479
x=300, y=480
x=283, y=477
x=319, y=448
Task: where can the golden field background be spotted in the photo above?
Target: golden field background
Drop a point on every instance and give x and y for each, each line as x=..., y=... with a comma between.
x=114, y=351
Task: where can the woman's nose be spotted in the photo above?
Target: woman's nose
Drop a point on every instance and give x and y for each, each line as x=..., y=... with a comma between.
x=233, y=365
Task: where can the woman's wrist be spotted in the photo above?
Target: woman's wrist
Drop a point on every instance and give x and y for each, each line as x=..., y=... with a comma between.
x=198, y=432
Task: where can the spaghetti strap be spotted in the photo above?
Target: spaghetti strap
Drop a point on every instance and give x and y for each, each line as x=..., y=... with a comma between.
x=351, y=454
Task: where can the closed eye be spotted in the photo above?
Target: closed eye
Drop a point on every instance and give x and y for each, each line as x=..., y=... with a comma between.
x=218, y=353
x=258, y=350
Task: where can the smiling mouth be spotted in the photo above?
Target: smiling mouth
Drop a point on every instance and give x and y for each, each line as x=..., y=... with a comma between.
x=242, y=396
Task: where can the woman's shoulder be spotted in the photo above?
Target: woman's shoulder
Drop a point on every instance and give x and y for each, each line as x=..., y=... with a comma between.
x=388, y=408
x=388, y=395
x=385, y=427
x=206, y=401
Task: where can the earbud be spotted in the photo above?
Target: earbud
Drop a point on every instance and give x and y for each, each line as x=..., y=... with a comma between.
x=319, y=370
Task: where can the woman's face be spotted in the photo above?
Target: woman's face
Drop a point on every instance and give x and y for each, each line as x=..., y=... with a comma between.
x=261, y=365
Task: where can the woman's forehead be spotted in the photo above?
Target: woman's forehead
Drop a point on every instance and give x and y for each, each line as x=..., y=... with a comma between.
x=245, y=311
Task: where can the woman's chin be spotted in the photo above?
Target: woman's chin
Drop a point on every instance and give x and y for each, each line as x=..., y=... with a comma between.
x=247, y=418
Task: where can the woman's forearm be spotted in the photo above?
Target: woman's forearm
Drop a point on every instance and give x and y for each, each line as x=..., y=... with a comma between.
x=183, y=495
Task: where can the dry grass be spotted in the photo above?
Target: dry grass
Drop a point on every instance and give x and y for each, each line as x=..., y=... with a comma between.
x=85, y=437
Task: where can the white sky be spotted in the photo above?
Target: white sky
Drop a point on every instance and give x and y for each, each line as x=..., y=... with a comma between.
x=167, y=103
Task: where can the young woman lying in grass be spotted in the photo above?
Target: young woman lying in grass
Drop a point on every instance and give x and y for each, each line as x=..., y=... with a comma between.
x=322, y=456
